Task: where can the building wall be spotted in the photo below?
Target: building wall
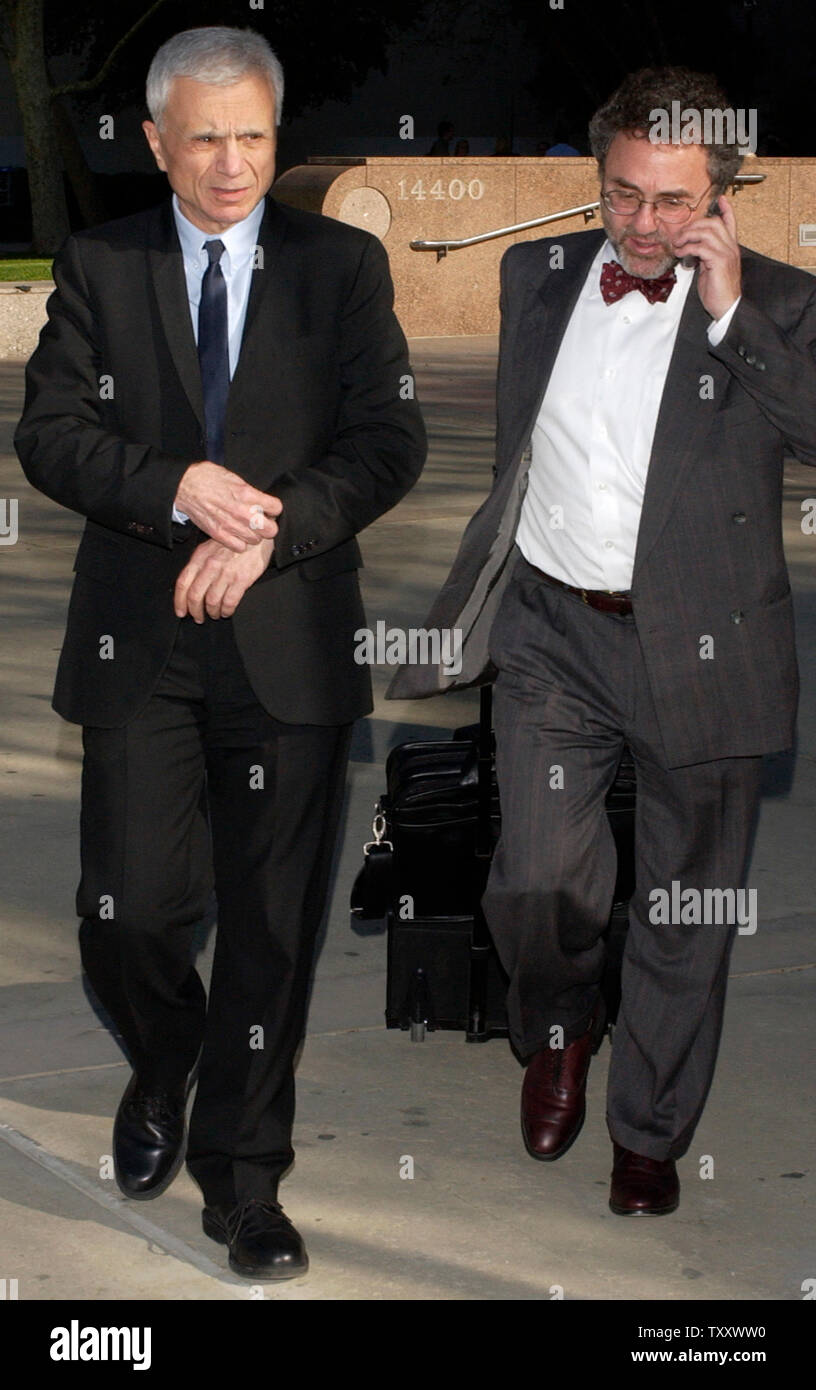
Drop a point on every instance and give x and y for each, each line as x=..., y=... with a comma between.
x=403, y=200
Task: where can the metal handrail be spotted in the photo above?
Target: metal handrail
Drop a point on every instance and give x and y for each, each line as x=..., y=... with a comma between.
x=588, y=209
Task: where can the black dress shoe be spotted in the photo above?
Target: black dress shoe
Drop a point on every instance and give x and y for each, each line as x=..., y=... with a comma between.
x=263, y=1243
x=149, y=1135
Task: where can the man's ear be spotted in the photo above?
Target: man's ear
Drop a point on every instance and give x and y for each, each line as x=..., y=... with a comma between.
x=153, y=138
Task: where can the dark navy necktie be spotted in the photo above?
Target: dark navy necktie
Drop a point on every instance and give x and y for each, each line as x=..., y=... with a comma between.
x=213, y=350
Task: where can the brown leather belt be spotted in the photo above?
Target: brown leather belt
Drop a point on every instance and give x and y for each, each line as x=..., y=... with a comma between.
x=605, y=600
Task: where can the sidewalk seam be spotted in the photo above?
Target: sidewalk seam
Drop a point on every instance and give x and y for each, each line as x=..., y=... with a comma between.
x=179, y=1249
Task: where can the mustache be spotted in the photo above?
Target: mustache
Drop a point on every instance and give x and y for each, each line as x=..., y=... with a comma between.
x=653, y=240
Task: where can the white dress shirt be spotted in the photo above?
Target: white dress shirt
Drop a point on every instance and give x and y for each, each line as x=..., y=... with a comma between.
x=236, y=263
x=592, y=440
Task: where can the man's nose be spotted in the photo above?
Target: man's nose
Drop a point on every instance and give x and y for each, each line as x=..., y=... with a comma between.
x=230, y=156
x=644, y=219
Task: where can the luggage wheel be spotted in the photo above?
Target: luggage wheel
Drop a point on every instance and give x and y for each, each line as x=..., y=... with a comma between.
x=419, y=1006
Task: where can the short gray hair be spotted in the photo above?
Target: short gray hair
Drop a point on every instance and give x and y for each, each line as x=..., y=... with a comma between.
x=215, y=54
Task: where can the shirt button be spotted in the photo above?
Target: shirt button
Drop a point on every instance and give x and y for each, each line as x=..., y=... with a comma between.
x=626, y=318
x=609, y=545
x=610, y=372
x=602, y=487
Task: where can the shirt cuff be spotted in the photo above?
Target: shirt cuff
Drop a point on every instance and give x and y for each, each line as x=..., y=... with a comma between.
x=179, y=516
x=718, y=329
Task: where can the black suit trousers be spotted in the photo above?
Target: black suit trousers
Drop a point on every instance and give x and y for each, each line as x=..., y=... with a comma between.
x=204, y=788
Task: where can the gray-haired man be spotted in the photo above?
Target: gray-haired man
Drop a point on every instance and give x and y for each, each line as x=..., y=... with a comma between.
x=255, y=426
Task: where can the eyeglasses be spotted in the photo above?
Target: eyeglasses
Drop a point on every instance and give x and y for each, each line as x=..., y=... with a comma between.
x=625, y=202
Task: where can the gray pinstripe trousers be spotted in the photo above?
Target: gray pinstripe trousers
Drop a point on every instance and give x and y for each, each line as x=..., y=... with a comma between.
x=571, y=689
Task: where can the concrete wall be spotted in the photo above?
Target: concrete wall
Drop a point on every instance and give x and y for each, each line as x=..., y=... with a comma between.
x=401, y=200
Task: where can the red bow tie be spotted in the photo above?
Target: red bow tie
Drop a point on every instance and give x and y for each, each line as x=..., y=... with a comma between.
x=616, y=282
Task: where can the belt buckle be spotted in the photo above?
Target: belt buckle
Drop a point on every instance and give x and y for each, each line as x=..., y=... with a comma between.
x=585, y=597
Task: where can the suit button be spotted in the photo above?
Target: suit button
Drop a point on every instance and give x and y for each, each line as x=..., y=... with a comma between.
x=760, y=366
x=738, y=616
x=297, y=549
x=739, y=517
x=750, y=359
x=741, y=350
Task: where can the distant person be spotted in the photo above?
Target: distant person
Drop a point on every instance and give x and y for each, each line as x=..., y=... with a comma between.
x=562, y=148
x=462, y=147
x=444, y=135
x=559, y=145
x=503, y=145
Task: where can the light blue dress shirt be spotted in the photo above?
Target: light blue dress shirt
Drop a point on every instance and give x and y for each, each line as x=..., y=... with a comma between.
x=240, y=243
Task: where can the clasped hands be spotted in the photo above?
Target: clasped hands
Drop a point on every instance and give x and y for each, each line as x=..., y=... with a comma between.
x=240, y=523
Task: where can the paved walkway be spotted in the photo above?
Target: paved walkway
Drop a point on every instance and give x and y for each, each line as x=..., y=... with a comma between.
x=479, y=1219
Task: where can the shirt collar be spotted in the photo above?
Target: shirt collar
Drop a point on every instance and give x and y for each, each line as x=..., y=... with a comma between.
x=239, y=240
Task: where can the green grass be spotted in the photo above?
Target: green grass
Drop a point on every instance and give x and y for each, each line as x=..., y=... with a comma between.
x=25, y=270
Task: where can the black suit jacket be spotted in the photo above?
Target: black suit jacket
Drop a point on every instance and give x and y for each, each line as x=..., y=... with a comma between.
x=319, y=414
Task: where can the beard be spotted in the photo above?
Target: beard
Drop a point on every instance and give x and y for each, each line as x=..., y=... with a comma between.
x=646, y=267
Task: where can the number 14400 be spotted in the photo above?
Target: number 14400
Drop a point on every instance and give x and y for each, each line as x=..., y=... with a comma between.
x=456, y=189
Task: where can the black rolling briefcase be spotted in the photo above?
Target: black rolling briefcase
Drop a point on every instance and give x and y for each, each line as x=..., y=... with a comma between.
x=425, y=871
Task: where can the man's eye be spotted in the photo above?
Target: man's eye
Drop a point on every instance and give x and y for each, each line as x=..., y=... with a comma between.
x=670, y=203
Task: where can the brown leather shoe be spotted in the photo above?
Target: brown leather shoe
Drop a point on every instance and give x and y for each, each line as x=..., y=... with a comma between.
x=553, y=1096
x=643, y=1186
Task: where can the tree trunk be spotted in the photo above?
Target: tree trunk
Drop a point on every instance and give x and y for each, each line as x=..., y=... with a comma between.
x=49, y=212
x=83, y=182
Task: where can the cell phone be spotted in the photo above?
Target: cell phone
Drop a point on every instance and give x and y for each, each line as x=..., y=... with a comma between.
x=692, y=262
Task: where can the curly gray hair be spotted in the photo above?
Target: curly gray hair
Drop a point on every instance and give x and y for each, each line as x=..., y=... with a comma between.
x=641, y=93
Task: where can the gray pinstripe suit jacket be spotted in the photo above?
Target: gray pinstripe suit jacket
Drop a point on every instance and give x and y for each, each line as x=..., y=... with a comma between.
x=709, y=559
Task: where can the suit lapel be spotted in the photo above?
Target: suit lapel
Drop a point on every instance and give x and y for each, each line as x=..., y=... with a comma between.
x=167, y=269
x=683, y=420
x=542, y=327
x=265, y=310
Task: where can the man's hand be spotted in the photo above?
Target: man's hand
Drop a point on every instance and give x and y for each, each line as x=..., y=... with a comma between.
x=230, y=510
x=216, y=579
x=714, y=241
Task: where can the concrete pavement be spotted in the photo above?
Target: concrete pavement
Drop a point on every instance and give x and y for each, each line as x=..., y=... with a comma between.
x=479, y=1219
